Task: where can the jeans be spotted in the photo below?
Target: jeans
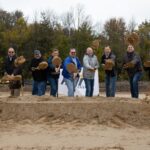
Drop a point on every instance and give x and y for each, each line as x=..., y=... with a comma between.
x=110, y=83
x=134, y=84
x=89, y=85
x=71, y=85
x=54, y=86
x=38, y=88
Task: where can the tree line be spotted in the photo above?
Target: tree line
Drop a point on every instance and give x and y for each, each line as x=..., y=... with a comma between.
x=66, y=31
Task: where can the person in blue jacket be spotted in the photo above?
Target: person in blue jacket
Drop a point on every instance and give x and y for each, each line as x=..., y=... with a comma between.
x=71, y=79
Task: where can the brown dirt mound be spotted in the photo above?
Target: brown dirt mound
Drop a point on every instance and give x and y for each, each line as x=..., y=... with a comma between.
x=63, y=148
x=25, y=135
x=117, y=112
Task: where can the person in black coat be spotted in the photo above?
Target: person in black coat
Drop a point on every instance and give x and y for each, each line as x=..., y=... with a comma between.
x=133, y=65
x=110, y=75
x=147, y=67
x=9, y=61
x=39, y=75
x=11, y=69
x=53, y=73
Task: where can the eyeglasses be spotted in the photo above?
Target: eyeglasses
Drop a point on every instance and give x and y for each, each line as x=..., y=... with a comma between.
x=73, y=52
x=11, y=52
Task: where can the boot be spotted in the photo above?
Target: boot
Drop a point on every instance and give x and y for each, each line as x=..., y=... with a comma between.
x=11, y=92
x=16, y=92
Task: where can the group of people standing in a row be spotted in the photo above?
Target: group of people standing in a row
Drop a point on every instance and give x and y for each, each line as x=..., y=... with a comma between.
x=131, y=63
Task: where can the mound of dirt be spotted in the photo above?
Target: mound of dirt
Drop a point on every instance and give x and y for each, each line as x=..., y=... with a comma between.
x=26, y=135
x=48, y=123
x=118, y=112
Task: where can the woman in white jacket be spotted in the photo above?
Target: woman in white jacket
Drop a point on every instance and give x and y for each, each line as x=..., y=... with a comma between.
x=90, y=64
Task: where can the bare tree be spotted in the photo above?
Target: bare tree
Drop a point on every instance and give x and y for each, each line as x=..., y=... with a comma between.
x=132, y=25
x=68, y=20
x=80, y=16
x=98, y=28
x=36, y=16
x=50, y=18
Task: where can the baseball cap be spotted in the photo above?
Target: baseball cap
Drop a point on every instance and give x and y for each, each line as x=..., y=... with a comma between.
x=37, y=52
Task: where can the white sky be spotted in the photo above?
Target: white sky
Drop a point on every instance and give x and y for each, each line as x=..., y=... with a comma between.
x=99, y=10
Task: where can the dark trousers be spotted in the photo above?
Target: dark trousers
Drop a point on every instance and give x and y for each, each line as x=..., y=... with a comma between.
x=54, y=86
x=38, y=88
x=89, y=85
x=110, y=83
x=134, y=88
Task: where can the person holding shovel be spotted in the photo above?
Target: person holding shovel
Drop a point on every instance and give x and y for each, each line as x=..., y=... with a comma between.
x=133, y=65
x=54, y=64
x=13, y=72
x=90, y=64
x=108, y=62
x=38, y=68
x=71, y=69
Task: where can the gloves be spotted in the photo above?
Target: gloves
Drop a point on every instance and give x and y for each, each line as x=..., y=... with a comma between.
x=92, y=69
x=33, y=68
x=5, y=74
x=57, y=70
x=128, y=65
x=75, y=75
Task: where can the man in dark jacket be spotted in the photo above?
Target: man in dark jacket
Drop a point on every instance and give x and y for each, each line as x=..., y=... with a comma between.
x=147, y=67
x=53, y=73
x=111, y=75
x=12, y=70
x=39, y=76
x=9, y=62
x=133, y=65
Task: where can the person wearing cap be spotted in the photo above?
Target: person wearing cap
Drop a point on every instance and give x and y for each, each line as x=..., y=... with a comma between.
x=110, y=74
x=11, y=70
x=90, y=64
x=133, y=65
x=53, y=73
x=39, y=75
x=71, y=79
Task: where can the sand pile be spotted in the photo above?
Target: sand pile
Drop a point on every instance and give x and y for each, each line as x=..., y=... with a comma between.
x=117, y=111
x=26, y=135
x=47, y=123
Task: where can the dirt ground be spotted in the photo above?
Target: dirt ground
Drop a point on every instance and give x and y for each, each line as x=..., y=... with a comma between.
x=45, y=123
x=26, y=135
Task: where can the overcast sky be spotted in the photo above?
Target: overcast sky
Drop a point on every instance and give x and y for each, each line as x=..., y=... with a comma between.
x=99, y=10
